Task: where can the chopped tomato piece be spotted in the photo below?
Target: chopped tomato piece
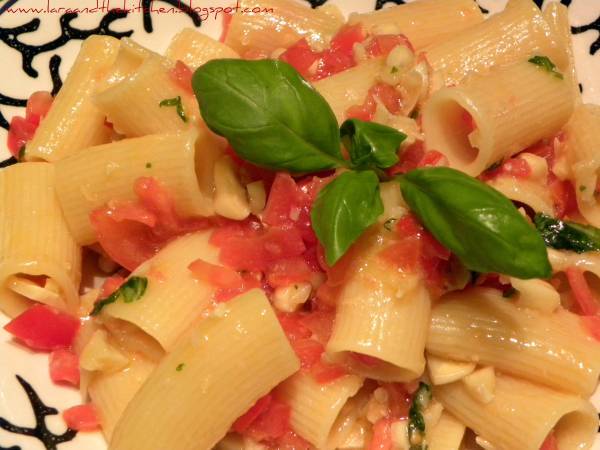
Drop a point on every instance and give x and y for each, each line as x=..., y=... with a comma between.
x=38, y=105
x=433, y=158
x=516, y=167
x=382, y=435
x=20, y=132
x=389, y=96
x=271, y=424
x=243, y=422
x=564, y=197
x=250, y=280
x=293, y=326
x=325, y=373
x=82, y=418
x=284, y=203
x=400, y=399
x=592, y=326
x=288, y=271
x=582, y=293
x=383, y=44
x=366, y=360
x=550, y=443
x=182, y=76
x=405, y=254
x=227, y=18
x=409, y=159
x=44, y=328
x=308, y=351
x=219, y=276
x=301, y=57
x=320, y=323
x=131, y=233
x=364, y=112
x=64, y=367
x=110, y=285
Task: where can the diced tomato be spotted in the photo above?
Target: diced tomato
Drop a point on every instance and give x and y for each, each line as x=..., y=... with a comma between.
x=543, y=149
x=82, y=418
x=44, y=328
x=382, y=435
x=110, y=285
x=408, y=226
x=340, y=55
x=592, y=325
x=405, y=254
x=64, y=367
x=288, y=271
x=182, y=76
x=271, y=424
x=364, y=112
x=308, y=351
x=284, y=203
x=564, y=197
x=400, y=399
x=409, y=159
x=389, y=96
x=320, y=323
x=38, y=105
x=433, y=158
x=227, y=18
x=301, y=57
x=20, y=132
x=131, y=233
x=550, y=443
x=325, y=373
x=517, y=167
x=365, y=360
x=258, y=252
x=219, y=276
x=243, y=422
x=383, y=44
x=293, y=326
x=250, y=280
x=582, y=293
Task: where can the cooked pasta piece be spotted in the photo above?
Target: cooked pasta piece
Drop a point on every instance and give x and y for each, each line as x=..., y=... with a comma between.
x=350, y=87
x=134, y=108
x=582, y=140
x=201, y=383
x=74, y=122
x=481, y=326
x=130, y=57
x=423, y=22
x=515, y=34
x=194, y=48
x=112, y=392
x=315, y=407
x=492, y=117
x=522, y=414
x=381, y=313
x=173, y=299
x=35, y=241
x=279, y=24
x=447, y=434
x=108, y=172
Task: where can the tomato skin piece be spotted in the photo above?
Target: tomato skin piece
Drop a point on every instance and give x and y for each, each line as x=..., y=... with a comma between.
x=564, y=197
x=181, y=74
x=272, y=424
x=82, y=418
x=326, y=373
x=383, y=44
x=550, y=443
x=20, y=132
x=219, y=276
x=582, y=293
x=244, y=421
x=382, y=435
x=288, y=271
x=44, y=328
x=301, y=57
x=38, y=106
x=64, y=367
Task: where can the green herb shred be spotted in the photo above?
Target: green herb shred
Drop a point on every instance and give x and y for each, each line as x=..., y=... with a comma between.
x=180, y=367
x=545, y=63
x=567, y=235
x=177, y=103
x=130, y=291
x=148, y=165
x=416, y=423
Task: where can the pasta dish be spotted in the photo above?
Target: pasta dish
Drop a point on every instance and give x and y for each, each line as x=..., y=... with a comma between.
x=376, y=232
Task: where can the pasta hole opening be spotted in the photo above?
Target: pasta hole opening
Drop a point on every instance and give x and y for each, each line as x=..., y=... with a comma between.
x=574, y=430
x=36, y=288
x=456, y=124
x=133, y=340
x=350, y=424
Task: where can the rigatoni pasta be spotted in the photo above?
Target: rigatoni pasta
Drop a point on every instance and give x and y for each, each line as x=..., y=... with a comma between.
x=491, y=117
x=199, y=383
x=35, y=242
x=194, y=48
x=74, y=121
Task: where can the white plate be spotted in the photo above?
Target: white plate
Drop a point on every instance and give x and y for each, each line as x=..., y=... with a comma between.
x=16, y=84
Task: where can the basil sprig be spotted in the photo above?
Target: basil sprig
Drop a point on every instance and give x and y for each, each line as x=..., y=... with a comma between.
x=344, y=209
x=177, y=104
x=416, y=422
x=546, y=63
x=130, y=291
x=566, y=235
x=269, y=114
x=371, y=145
x=476, y=222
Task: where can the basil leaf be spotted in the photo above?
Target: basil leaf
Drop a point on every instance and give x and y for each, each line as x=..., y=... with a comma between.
x=565, y=235
x=271, y=116
x=476, y=222
x=371, y=144
x=130, y=291
x=344, y=209
x=546, y=63
x=416, y=423
x=176, y=102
